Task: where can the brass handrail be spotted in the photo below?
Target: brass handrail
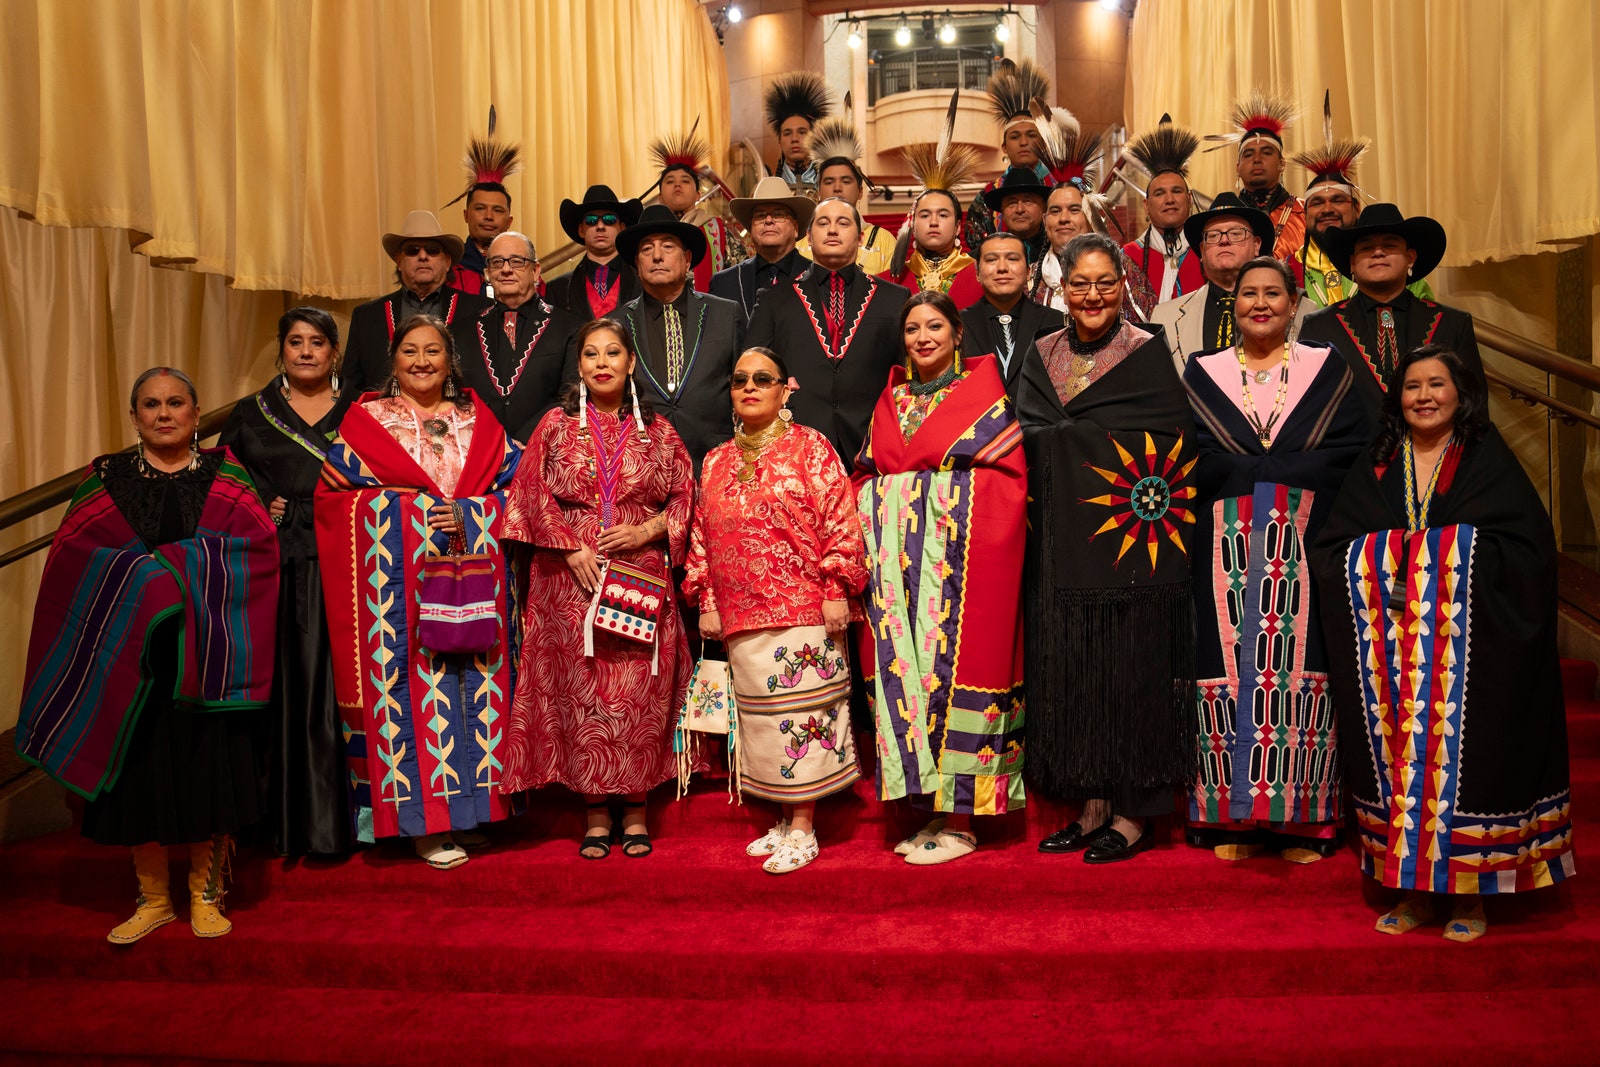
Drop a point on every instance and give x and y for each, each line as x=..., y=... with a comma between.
x=1566, y=412
x=41, y=498
x=1538, y=356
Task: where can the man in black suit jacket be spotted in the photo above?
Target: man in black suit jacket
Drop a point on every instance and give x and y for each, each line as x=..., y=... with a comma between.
x=687, y=342
x=838, y=329
x=773, y=217
x=423, y=255
x=1005, y=321
x=515, y=354
x=602, y=281
x=1383, y=252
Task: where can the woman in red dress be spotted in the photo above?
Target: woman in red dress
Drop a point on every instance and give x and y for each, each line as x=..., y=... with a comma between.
x=603, y=482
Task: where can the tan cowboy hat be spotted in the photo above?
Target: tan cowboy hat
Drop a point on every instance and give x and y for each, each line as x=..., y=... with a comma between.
x=773, y=190
x=423, y=226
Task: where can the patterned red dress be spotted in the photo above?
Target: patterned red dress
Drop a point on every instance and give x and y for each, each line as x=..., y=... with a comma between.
x=600, y=724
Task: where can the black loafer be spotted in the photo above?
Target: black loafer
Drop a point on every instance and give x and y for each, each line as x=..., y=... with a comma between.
x=1071, y=838
x=1111, y=847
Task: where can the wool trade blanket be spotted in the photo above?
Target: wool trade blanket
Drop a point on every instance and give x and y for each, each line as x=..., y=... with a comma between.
x=423, y=732
x=944, y=516
x=88, y=674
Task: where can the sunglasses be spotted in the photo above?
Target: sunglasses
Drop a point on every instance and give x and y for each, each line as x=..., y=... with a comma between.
x=609, y=218
x=763, y=379
x=416, y=249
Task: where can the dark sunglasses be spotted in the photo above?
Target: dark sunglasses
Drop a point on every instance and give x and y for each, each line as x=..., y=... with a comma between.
x=763, y=379
x=418, y=249
x=610, y=219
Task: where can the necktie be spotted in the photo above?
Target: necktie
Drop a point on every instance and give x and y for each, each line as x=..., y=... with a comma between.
x=1225, y=321
x=835, y=315
x=602, y=279
x=674, y=330
x=1388, y=344
x=1005, y=339
x=511, y=328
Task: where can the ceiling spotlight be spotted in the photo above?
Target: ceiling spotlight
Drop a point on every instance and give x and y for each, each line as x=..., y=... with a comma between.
x=1002, y=32
x=947, y=32
x=854, y=40
x=734, y=14
x=902, y=33
x=1111, y=5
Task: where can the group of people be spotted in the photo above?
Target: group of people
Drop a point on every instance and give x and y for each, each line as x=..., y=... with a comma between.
x=1112, y=524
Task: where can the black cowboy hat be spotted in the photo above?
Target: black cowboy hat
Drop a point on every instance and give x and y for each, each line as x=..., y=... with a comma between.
x=1230, y=204
x=1422, y=235
x=1015, y=180
x=658, y=218
x=598, y=200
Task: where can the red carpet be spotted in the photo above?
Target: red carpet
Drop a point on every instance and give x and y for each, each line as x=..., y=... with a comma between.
x=529, y=954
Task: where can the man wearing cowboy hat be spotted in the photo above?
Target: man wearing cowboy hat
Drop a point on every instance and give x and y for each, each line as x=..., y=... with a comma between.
x=1229, y=234
x=516, y=353
x=1018, y=201
x=687, y=341
x=423, y=255
x=601, y=282
x=1382, y=253
x=773, y=217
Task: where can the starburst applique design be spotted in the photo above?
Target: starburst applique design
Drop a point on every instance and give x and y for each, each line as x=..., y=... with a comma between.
x=1149, y=498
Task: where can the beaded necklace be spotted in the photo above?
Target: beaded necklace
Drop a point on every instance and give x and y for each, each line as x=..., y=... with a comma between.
x=1248, y=405
x=1417, y=510
x=607, y=464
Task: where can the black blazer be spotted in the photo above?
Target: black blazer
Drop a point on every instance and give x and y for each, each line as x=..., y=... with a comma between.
x=570, y=294
x=836, y=397
x=980, y=334
x=366, y=348
x=1352, y=328
x=700, y=409
x=534, y=387
x=739, y=283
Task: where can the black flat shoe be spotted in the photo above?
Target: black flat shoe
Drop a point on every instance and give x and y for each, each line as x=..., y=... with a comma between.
x=1111, y=847
x=1071, y=838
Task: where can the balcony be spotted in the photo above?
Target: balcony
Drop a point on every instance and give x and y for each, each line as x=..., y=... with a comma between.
x=921, y=69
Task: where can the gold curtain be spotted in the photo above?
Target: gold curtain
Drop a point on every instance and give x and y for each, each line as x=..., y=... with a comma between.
x=1483, y=113
x=260, y=148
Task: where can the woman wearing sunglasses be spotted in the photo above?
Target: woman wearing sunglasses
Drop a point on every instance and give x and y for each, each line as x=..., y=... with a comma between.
x=775, y=557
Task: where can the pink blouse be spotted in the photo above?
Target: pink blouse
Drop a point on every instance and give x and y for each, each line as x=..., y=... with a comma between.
x=1305, y=363
x=440, y=455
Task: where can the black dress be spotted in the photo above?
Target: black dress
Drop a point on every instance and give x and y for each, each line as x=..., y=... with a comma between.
x=307, y=783
x=187, y=775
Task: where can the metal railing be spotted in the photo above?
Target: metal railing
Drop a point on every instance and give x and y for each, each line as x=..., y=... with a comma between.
x=928, y=68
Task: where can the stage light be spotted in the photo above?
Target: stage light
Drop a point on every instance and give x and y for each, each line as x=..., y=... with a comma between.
x=1111, y=5
x=1002, y=32
x=947, y=32
x=854, y=40
x=902, y=33
x=734, y=14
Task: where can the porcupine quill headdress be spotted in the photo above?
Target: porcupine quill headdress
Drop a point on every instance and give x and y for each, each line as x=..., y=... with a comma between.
x=1012, y=90
x=1335, y=162
x=943, y=165
x=835, y=139
x=1072, y=156
x=802, y=93
x=488, y=162
x=1260, y=114
x=682, y=152
x=1163, y=150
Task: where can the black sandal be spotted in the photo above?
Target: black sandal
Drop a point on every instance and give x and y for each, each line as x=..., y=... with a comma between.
x=601, y=840
x=639, y=841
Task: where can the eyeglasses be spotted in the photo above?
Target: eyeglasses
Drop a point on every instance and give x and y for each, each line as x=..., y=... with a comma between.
x=1105, y=287
x=1232, y=237
x=763, y=379
x=416, y=249
x=514, y=262
x=610, y=219
x=762, y=214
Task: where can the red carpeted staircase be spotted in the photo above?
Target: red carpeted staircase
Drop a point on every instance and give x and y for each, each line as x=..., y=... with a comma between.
x=529, y=954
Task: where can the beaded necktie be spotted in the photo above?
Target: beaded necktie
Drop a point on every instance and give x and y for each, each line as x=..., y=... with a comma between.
x=673, y=323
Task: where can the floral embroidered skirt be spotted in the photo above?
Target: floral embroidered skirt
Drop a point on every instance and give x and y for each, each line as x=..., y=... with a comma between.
x=793, y=692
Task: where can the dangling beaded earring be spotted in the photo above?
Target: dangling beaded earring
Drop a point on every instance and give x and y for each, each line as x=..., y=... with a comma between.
x=450, y=388
x=393, y=387
x=333, y=380
x=784, y=413
x=138, y=445
x=194, y=450
x=638, y=420
x=583, y=407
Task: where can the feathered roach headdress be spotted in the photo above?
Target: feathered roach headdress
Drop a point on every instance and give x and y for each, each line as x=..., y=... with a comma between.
x=1072, y=156
x=1163, y=150
x=686, y=152
x=1012, y=90
x=489, y=163
x=942, y=165
x=1335, y=162
x=835, y=141
x=1260, y=114
x=802, y=93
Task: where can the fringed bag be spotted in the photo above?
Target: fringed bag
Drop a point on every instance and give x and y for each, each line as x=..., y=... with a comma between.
x=710, y=708
x=628, y=602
